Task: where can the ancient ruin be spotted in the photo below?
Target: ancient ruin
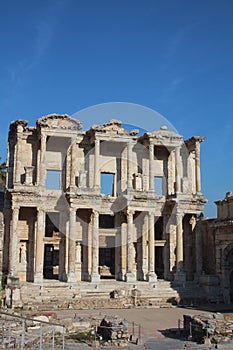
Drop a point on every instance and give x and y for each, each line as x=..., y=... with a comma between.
x=105, y=203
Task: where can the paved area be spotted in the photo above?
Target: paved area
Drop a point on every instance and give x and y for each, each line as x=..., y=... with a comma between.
x=154, y=323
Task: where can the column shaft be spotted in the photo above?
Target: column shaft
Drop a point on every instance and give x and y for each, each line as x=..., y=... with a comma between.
x=178, y=170
x=13, y=259
x=95, y=277
x=151, y=242
x=129, y=165
x=179, y=243
x=42, y=160
x=197, y=167
x=151, y=167
x=72, y=245
x=96, y=165
x=73, y=165
x=38, y=277
x=18, y=162
x=130, y=274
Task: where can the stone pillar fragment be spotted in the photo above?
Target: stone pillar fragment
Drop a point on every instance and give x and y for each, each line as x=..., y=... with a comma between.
x=72, y=244
x=95, y=277
x=40, y=232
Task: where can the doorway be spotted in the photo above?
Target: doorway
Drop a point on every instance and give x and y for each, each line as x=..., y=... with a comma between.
x=107, y=263
x=51, y=262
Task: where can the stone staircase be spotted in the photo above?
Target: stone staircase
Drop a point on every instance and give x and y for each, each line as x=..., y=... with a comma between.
x=52, y=295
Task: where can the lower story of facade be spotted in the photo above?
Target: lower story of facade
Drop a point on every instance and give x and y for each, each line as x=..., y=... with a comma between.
x=87, y=244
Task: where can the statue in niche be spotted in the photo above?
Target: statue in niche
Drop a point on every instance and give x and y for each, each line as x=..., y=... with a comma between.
x=22, y=254
x=83, y=179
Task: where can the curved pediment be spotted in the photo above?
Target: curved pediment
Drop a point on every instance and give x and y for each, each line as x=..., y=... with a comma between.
x=113, y=127
x=59, y=121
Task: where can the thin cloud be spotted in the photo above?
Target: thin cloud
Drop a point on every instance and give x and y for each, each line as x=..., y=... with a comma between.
x=45, y=29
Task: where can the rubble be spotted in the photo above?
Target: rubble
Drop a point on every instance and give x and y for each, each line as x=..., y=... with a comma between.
x=214, y=328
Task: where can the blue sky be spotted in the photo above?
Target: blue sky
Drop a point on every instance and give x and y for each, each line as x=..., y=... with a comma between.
x=174, y=56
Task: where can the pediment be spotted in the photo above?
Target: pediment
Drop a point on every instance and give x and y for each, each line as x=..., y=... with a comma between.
x=164, y=133
x=59, y=121
x=113, y=127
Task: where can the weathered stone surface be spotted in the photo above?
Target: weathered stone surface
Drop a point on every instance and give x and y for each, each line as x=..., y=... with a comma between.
x=61, y=223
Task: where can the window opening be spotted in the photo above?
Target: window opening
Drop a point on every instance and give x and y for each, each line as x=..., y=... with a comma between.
x=53, y=179
x=107, y=184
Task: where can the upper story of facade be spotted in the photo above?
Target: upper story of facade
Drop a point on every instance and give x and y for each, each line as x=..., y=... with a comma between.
x=225, y=208
x=57, y=156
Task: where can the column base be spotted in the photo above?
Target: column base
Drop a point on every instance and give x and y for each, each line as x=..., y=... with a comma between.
x=95, y=278
x=38, y=278
x=71, y=278
x=130, y=277
x=152, y=277
x=180, y=277
x=13, y=297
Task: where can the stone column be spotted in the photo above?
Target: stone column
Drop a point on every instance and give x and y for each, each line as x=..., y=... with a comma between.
x=72, y=244
x=13, y=258
x=63, y=218
x=151, y=167
x=118, y=270
x=197, y=167
x=40, y=233
x=95, y=277
x=130, y=274
x=73, y=165
x=180, y=275
x=129, y=165
x=17, y=160
x=13, y=297
x=96, y=165
x=42, y=160
x=178, y=169
x=152, y=277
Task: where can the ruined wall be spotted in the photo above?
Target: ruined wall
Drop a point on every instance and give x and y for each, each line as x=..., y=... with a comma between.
x=208, y=247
